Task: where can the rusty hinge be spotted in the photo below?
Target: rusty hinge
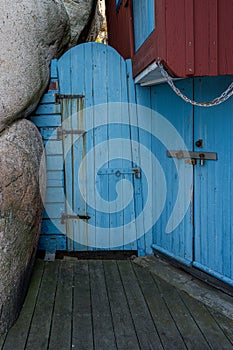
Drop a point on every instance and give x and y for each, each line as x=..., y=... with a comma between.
x=65, y=217
x=59, y=97
x=62, y=132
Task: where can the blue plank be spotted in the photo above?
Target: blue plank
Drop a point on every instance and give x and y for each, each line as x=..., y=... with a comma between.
x=53, y=69
x=100, y=71
x=52, y=243
x=213, y=181
x=48, y=133
x=180, y=114
x=78, y=86
x=55, y=179
x=55, y=195
x=48, y=108
x=47, y=120
x=49, y=97
x=54, y=163
x=65, y=81
x=52, y=227
x=143, y=99
x=54, y=210
x=54, y=148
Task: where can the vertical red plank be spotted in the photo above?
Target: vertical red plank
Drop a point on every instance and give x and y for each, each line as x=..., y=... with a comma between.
x=225, y=37
x=213, y=37
x=189, y=38
x=175, y=30
x=160, y=30
x=202, y=27
x=131, y=28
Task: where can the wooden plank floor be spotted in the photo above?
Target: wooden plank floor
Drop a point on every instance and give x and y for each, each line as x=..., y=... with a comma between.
x=98, y=305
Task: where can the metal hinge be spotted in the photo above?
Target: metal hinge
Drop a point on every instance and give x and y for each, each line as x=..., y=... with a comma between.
x=62, y=132
x=65, y=217
x=59, y=97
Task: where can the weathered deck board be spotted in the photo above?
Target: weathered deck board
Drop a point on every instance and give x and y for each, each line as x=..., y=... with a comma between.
x=168, y=332
x=39, y=333
x=2, y=340
x=104, y=337
x=206, y=323
x=82, y=331
x=224, y=323
x=147, y=334
x=125, y=333
x=98, y=305
x=17, y=336
x=187, y=326
x=60, y=336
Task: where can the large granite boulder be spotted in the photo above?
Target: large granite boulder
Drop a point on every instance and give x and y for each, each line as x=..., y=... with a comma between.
x=22, y=176
x=84, y=17
x=31, y=33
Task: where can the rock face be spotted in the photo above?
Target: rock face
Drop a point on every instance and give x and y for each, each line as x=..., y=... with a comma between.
x=21, y=150
x=31, y=33
x=81, y=14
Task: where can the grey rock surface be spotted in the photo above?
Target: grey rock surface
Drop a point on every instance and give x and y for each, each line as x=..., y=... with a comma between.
x=22, y=176
x=31, y=34
x=80, y=12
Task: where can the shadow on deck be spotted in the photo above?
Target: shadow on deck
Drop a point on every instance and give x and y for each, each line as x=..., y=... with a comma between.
x=87, y=305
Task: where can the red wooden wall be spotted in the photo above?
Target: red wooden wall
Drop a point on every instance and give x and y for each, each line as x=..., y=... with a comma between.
x=192, y=37
x=120, y=30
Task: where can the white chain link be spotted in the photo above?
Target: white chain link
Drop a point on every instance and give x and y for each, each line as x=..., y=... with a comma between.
x=222, y=98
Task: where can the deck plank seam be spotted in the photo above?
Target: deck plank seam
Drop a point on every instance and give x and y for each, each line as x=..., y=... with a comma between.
x=170, y=313
x=222, y=329
x=91, y=307
x=109, y=304
x=54, y=301
x=34, y=308
x=72, y=314
x=209, y=313
x=152, y=318
x=194, y=320
x=127, y=301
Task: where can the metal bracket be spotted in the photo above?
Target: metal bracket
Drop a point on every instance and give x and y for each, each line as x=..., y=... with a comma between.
x=59, y=97
x=65, y=217
x=193, y=155
x=63, y=132
x=118, y=172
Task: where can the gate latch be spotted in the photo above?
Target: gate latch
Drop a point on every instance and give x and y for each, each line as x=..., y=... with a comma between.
x=192, y=157
x=65, y=217
x=120, y=171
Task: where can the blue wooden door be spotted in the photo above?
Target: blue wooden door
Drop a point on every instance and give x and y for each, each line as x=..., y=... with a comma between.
x=177, y=239
x=213, y=199
x=102, y=176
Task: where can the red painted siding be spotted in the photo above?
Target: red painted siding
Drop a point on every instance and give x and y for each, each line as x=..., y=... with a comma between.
x=192, y=37
x=120, y=27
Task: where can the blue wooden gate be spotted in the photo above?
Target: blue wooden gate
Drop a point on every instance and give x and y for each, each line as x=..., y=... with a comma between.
x=97, y=163
x=95, y=182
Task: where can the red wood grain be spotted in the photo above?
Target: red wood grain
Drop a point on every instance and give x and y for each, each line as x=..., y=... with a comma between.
x=191, y=37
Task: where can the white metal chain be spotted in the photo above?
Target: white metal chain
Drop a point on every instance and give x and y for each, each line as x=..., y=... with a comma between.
x=220, y=99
